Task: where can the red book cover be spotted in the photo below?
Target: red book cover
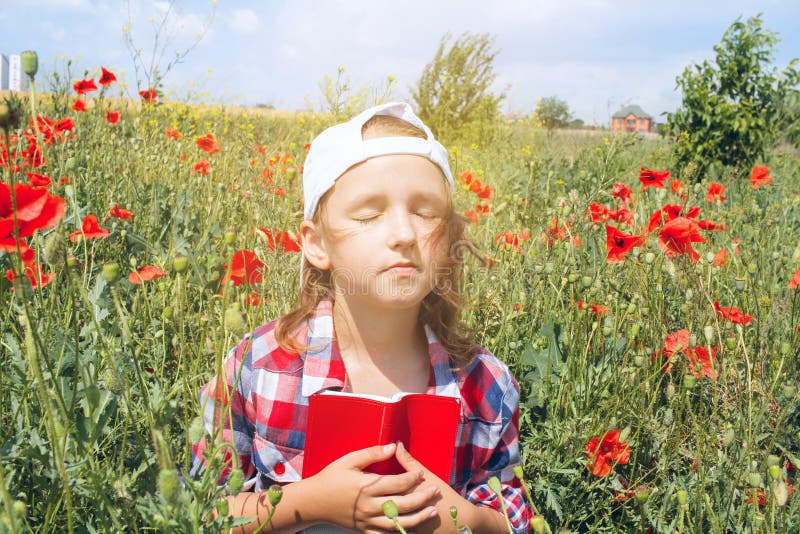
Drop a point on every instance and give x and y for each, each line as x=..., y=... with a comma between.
x=340, y=423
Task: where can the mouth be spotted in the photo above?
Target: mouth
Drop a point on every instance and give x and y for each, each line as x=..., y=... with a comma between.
x=403, y=268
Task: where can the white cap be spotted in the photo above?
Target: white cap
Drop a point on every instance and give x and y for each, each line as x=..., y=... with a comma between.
x=341, y=146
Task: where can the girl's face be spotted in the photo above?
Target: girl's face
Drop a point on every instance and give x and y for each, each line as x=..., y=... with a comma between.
x=380, y=226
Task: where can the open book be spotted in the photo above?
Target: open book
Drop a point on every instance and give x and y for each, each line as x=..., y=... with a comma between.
x=340, y=423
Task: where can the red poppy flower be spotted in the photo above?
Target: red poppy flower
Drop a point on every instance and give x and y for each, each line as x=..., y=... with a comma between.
x=208, y=143
x=203, y=167
x=39, y=180
x=676, y=186
x=120, y=213
x=149, y=95
x=666, y=213
x=79, y=105
x=284, y=240
x=112, y=117
x=621, y=215
x=721, y=258
x=84, y=86
x=36, y=209
x=174, y=134
x=651, y=178
x=245, y=267
x=795, y=281
x=676, y=237
x=605, y=451
x=482, y=208
x=148, y=272
x=704, y=359
x=34, y=273
x=90, y=229
x=599, y=309
x=760, y=177
x=486, y=192
x=715, y=191
x=279, y=192
x=106, y=77
x=253, y=299
x=466, y=178
x=733, y=314
x=64, y=125
x=676, y=342
x=598, y=212
x=622, y=192
x=618, y=245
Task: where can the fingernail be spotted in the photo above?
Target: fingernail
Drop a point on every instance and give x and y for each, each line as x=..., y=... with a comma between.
x=433, y=513
x=400, y=446
x=389, y=447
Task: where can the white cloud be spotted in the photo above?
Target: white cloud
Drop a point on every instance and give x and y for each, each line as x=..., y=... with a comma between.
x=244, y=21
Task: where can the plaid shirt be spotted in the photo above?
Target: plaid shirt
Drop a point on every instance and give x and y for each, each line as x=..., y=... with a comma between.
x=267, y=391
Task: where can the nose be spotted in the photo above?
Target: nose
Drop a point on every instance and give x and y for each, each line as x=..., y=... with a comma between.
x=401, y=231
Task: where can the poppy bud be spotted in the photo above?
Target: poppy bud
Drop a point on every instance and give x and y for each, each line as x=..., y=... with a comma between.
x=113, y=380
x=20, y=510
x=389, y=509
x=780, y=491
x=631, y=308
x=518, y=472
x=775, y=472
x=773, y=460
x=71, y=164
x=638, y=360
x=539, y=525
x=710, y=257
x=649, y=258
x=55, y=249
x=789, y=391
x=670, y=391
x=10, y=112
x=235, y=482
x=692, y=340
x=196, y=430
x=180, y=263
x=169, y=485
x=275, y=494
x=230, y=237
x=607, y=331
x=635, y=329
x=30, y=62
x=111, y=272
x=587, y=281
x=641, y=494
x=291, y=172
x=730, y=342
x=785, y=348
x=494, y=485
x=222, y=507
x=708, y=333
x=682, y=496
x=756, y=480
x=234, y=321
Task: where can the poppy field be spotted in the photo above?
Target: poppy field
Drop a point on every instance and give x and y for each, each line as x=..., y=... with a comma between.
x=651, y=317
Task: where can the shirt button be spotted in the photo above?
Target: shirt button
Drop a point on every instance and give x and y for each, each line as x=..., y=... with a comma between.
x=279, y=468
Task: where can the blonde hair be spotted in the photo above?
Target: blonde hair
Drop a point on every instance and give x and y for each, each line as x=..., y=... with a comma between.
x=440, y=308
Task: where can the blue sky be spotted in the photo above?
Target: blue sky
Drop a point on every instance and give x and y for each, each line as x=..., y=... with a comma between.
x=594, y=54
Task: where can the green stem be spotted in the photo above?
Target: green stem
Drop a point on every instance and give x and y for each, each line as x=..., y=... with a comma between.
x=12, y=520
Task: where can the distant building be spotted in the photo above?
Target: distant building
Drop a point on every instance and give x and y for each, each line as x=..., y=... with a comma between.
x=17, y=80
x=3, y=72
x=631, y=119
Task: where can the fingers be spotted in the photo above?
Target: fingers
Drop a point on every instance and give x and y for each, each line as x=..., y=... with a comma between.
x=365, y=457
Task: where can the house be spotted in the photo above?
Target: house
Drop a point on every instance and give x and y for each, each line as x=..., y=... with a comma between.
x=631, y=119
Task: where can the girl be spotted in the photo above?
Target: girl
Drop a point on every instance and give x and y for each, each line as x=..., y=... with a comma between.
x=379, y=303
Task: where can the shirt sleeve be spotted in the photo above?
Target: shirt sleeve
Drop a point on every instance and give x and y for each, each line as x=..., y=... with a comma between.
x=505, y=455
x=224, y=404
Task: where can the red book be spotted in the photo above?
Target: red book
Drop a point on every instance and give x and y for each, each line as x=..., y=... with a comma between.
x=340, y=423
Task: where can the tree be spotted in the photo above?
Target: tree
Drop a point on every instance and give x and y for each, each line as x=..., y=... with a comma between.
x=453, y=94
x=553, y=112
x=732, y=108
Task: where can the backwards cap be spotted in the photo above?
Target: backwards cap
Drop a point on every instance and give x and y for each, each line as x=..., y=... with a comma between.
x=341, y=146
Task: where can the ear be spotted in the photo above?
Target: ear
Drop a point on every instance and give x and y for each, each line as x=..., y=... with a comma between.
x=314, y=245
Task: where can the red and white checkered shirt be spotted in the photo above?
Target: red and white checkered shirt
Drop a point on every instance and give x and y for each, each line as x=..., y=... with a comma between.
x=267, y=390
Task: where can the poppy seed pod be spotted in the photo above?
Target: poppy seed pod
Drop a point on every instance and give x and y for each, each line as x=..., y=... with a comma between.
x=169, y=485
x=30, y=62
x=180, y=263
x=389, y=509
x=539, y=525
x=10, y=112
x=235, y=482
x=196, y=430
x=274, y=494
x=111, y=272
x=682, y=496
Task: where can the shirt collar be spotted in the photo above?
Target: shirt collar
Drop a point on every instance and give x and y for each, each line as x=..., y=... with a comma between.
x=323, y=366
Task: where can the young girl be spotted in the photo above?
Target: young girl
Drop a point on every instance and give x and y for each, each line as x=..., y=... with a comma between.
x=379, y=303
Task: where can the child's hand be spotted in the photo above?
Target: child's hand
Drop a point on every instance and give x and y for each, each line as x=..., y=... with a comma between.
x=352, y=498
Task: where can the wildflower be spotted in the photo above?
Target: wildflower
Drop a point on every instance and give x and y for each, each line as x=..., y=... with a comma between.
x=651, y=178
x=676, y=238
x=618, y=244
x=174, y=134
x=604, y=451
x=245, y=267
x=676, y=186
x=90, y=229
x=486, y=192
x=599, y=309
x=79, y=105
x=622, y=192
x=208, y=143
x=704, y=358
x=715, y=191
x=721, y=258
x=795, y=281
x=39, y=180
x=472, y=216
x=120, y=213
x=279, y=192
x=203, y=167
x=112, y=117
x=106, y=77
x=511, y=240
x=598, y=212
x=733, y=314
x=149, y=96
x=33, y=271
x=148, y=272
x=622, y=215
x=760, y=177
x=36, y=209
x=466, y=178
x=84, y=86
x=285, y=240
